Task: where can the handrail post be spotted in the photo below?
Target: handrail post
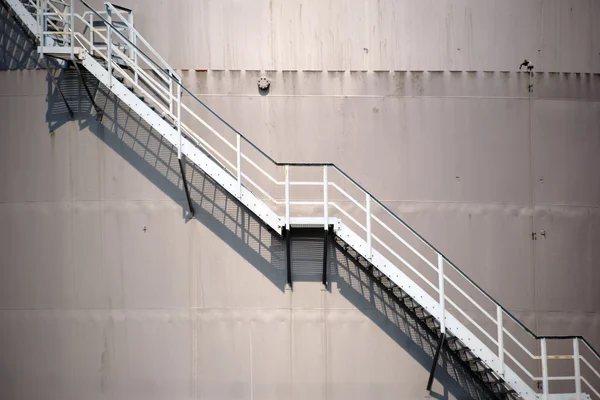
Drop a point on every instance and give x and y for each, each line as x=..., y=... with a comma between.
x=135, y=56
x=133, y=49
x=109, y=44
x=325, y=199
x=42, y=26
x=577, y=368
x=441, y=292
x=239, y=164
x=72, y=29
x=38, y=19
x=369, y=247
x=500, y=324
x=171, y=93
x=178, y=118
x=325, y=226
x=287, y=197
x=545, y=390
x=92, y=34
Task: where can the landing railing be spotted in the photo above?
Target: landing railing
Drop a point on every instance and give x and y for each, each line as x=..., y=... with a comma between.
x=54, y=19
x=552, y=364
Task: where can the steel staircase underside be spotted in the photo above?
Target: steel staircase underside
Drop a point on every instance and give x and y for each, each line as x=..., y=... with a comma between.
x=486, y=375
x=153, y=90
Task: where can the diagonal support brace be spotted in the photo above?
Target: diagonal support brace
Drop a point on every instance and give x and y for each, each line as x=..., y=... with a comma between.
x=326, y=238
x=53, y=79
x=185, y=186
x=435, y=360
x=99, y=112
x=287, y=237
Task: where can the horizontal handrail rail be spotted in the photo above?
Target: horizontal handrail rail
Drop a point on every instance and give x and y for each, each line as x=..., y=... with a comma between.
x=460, y=310
x=403, y=261
x=350, y=217
x=352, y=199
x=169, y=69
x=590, y=386
x=518, y=364
x=462, y=292
x=142, y=74
x=514, y=339
x=590, y=366
x=404, y=242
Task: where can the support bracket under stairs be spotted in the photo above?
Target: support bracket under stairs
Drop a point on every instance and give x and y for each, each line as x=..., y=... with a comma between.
x=99, y=112
x=185, y=187
x=57, y=86
x=435, y=360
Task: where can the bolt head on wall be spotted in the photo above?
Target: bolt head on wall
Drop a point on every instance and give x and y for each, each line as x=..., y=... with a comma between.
x=264, y=83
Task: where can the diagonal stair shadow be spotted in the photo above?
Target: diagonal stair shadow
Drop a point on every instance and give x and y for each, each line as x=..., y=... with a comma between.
x=134, y=140
x=17, y=48
x=365, y=291
x=369, y=295
x=69, y=82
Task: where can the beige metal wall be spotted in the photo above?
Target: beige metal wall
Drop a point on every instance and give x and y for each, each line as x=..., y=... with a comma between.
x=94, y=306
x=470, y=35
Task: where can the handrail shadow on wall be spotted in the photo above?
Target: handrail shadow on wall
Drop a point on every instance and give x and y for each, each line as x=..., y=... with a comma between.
x=17, y=49
x=69, y=83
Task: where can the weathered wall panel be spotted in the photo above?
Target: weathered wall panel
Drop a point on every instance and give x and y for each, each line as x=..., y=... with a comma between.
x=94, y=305
x=556, y=36
x=567, y=144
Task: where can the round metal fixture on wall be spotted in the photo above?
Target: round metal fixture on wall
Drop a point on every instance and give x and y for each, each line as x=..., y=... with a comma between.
x=264, y=83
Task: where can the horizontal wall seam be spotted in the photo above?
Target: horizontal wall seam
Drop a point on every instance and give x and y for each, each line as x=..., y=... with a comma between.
x=395, y=96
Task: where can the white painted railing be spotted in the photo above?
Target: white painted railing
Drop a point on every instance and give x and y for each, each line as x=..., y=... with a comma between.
x=323, y=192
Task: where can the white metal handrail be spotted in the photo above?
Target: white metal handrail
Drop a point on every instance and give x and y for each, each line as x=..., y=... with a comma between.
x=160, y=93
x=166, y=65
x=141, y=74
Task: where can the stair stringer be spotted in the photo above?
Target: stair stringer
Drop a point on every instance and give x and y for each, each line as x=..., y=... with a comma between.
x=24, y=15
x=30, y=22
x=210, y=167
x=432, y=306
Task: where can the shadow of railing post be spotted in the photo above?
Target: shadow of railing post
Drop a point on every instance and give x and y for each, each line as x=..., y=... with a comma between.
x=18, y=50
x=70, y=84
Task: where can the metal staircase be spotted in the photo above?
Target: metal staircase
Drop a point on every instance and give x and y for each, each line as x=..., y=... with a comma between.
x=508, y=358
